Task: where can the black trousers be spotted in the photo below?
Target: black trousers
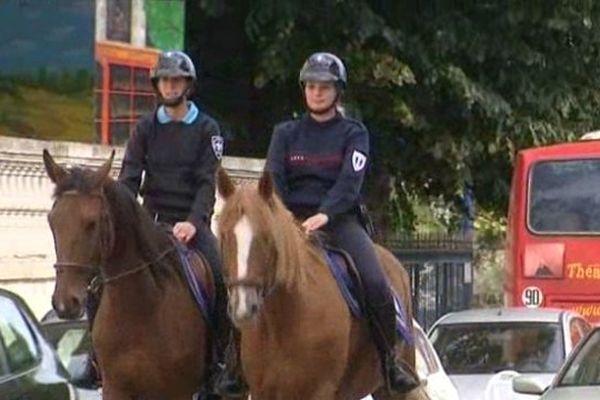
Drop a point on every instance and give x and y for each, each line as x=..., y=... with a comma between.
x=347, y=233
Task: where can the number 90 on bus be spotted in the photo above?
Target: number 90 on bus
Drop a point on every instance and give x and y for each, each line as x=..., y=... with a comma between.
x=532, y=297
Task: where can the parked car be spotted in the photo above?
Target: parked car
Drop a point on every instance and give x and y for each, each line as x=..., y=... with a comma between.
x=437, y=384
x=487, y=347
x=29, y=368
x=579, y=378
x=72, y=341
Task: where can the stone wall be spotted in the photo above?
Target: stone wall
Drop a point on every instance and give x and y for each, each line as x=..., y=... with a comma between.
x=26, y=246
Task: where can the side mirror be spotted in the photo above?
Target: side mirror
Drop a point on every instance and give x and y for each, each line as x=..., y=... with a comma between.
x=525, y=385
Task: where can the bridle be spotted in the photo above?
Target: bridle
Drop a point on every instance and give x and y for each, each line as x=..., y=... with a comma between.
x=104, y=279
x=110, y=279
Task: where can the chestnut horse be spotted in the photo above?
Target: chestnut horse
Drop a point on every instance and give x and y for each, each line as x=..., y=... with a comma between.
x=298, y=337
x=149, y=336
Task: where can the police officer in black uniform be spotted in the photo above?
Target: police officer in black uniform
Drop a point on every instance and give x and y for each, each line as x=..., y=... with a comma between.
x=318, y=163
x=178, y=148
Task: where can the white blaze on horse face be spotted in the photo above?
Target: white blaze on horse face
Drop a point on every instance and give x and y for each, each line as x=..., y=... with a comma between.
x=243, y=236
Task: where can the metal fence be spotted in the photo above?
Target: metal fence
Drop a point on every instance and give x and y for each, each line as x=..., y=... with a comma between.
x=440, y=268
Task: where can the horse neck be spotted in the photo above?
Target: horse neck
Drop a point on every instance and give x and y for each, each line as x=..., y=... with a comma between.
x=287, y=305
x=292, y=254
x=138, y=290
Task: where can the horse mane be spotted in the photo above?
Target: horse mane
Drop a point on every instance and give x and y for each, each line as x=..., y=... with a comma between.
x=272, y=216
x=124, y=220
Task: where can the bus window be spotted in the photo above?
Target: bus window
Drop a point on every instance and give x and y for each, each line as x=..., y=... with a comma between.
x=564, y=197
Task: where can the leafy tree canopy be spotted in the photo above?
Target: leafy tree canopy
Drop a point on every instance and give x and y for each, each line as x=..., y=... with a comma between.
x=448, y=91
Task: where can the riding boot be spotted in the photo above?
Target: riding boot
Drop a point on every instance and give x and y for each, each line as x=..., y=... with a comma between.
x=399, y=376
x=226, y=379
x=230, y=382
x=90, y=378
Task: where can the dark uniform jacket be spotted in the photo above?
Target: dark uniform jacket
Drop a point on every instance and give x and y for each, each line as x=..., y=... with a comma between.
x=179, y=160
x=319, y=166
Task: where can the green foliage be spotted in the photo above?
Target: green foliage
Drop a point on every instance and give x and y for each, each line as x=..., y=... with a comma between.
x=449, y=92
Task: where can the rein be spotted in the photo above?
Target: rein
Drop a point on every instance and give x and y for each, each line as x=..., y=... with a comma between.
x=110, y=279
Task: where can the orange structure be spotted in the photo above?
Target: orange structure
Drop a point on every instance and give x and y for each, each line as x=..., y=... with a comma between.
x=123, y=90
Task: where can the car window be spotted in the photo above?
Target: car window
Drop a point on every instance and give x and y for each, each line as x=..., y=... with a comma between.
x=584, y=369
x=563, y=197
x=4, y=370
x=73, y=346
x=17, y=340
x=535, y=347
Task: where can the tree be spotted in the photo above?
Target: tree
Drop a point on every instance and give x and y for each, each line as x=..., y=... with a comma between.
x=449, y=93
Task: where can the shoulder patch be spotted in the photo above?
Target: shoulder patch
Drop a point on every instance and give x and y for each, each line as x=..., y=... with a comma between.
x=359, y=160
x=217, y=146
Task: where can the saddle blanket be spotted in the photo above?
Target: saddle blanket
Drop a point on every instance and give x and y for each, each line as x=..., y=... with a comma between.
x=342, y=268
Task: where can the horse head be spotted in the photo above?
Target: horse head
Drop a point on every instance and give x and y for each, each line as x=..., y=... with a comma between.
x=258, y=243
x=77, y=220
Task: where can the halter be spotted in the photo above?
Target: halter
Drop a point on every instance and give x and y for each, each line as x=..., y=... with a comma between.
x=245, y=282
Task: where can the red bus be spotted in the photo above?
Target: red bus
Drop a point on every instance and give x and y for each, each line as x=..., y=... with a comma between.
x=553, y=233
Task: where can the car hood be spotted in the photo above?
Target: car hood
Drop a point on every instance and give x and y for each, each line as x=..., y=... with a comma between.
x=567, y=393
x=474, y=387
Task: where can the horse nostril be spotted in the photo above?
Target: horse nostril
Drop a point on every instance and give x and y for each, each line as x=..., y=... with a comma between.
x=254, y=308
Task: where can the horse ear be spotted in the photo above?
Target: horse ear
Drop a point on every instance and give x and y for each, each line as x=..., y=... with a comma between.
x=265, y=186
x=224, y=184
x=102, y=173
x=55, y=172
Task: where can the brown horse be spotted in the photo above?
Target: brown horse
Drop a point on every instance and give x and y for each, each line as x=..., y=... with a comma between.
x=149, y=336
x=298, y=337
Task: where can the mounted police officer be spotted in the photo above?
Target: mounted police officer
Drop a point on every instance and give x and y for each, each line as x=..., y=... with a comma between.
x=318, y=163
x=178, y=148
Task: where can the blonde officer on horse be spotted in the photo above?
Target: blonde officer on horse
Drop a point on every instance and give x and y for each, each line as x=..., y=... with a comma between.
x=318, y=163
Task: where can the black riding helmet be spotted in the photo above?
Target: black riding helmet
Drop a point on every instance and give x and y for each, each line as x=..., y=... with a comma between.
x=324, y=67
x=174, y=64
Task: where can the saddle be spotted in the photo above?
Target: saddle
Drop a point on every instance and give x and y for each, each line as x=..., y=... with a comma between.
x=195, y=267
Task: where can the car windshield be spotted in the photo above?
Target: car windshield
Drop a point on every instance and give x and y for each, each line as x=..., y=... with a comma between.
x=584, y=369
x=482, y=348
x=563, y=197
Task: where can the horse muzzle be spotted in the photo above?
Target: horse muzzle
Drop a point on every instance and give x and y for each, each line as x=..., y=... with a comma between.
x=244, y=304
x=68, y=307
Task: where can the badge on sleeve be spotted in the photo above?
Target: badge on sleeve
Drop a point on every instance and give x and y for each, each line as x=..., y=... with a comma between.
x=217, y=146
x=359, y=160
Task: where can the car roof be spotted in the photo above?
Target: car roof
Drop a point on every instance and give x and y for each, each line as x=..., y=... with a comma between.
x=512, y=314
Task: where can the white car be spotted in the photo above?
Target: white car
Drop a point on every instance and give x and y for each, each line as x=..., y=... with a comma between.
x=483, y=350
x=437, y=384
x=579, y=377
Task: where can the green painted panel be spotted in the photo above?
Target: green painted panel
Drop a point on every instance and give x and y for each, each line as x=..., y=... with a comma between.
x=165, y=23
